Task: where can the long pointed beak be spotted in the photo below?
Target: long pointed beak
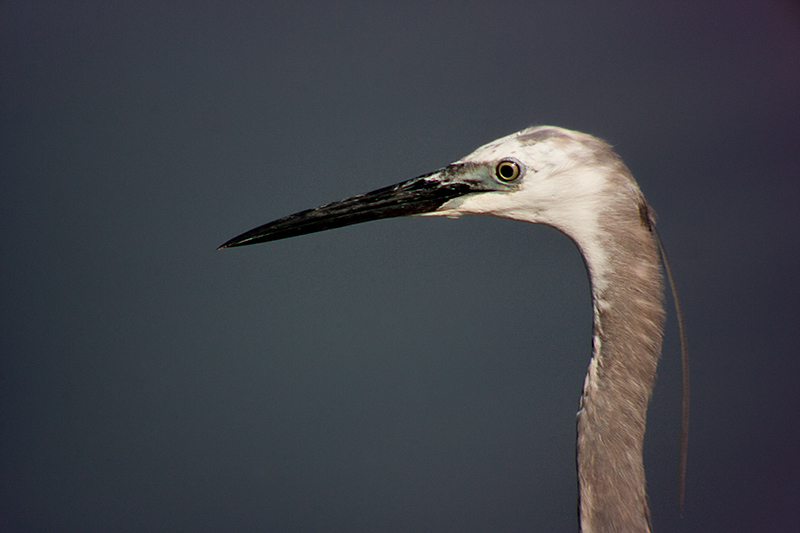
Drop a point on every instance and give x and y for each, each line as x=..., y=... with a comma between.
x=423, y=194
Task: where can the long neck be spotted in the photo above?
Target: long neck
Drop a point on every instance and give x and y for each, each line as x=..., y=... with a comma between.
x=627, y=294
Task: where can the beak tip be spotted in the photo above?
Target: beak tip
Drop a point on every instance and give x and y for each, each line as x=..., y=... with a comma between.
x=242, y=240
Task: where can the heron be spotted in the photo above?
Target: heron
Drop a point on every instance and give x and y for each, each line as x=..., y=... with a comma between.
x=577, y=184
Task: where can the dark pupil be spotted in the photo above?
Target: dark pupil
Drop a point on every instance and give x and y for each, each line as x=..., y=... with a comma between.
x=507, y=171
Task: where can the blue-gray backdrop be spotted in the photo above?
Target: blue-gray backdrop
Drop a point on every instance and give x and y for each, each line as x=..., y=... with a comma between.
x=401, y=375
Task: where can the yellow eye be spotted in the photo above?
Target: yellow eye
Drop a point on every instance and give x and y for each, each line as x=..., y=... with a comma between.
x=507, y=170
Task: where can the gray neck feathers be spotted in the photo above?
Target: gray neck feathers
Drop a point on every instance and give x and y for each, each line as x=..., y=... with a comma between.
x=628, y=327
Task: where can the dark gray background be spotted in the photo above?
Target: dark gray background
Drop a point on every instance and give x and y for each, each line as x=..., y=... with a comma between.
x=401, y=375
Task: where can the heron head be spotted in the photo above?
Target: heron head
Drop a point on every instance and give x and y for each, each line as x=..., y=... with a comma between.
x=542, y=174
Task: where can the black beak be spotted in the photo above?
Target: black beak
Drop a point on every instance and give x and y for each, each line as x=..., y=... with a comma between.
x=423, y=194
